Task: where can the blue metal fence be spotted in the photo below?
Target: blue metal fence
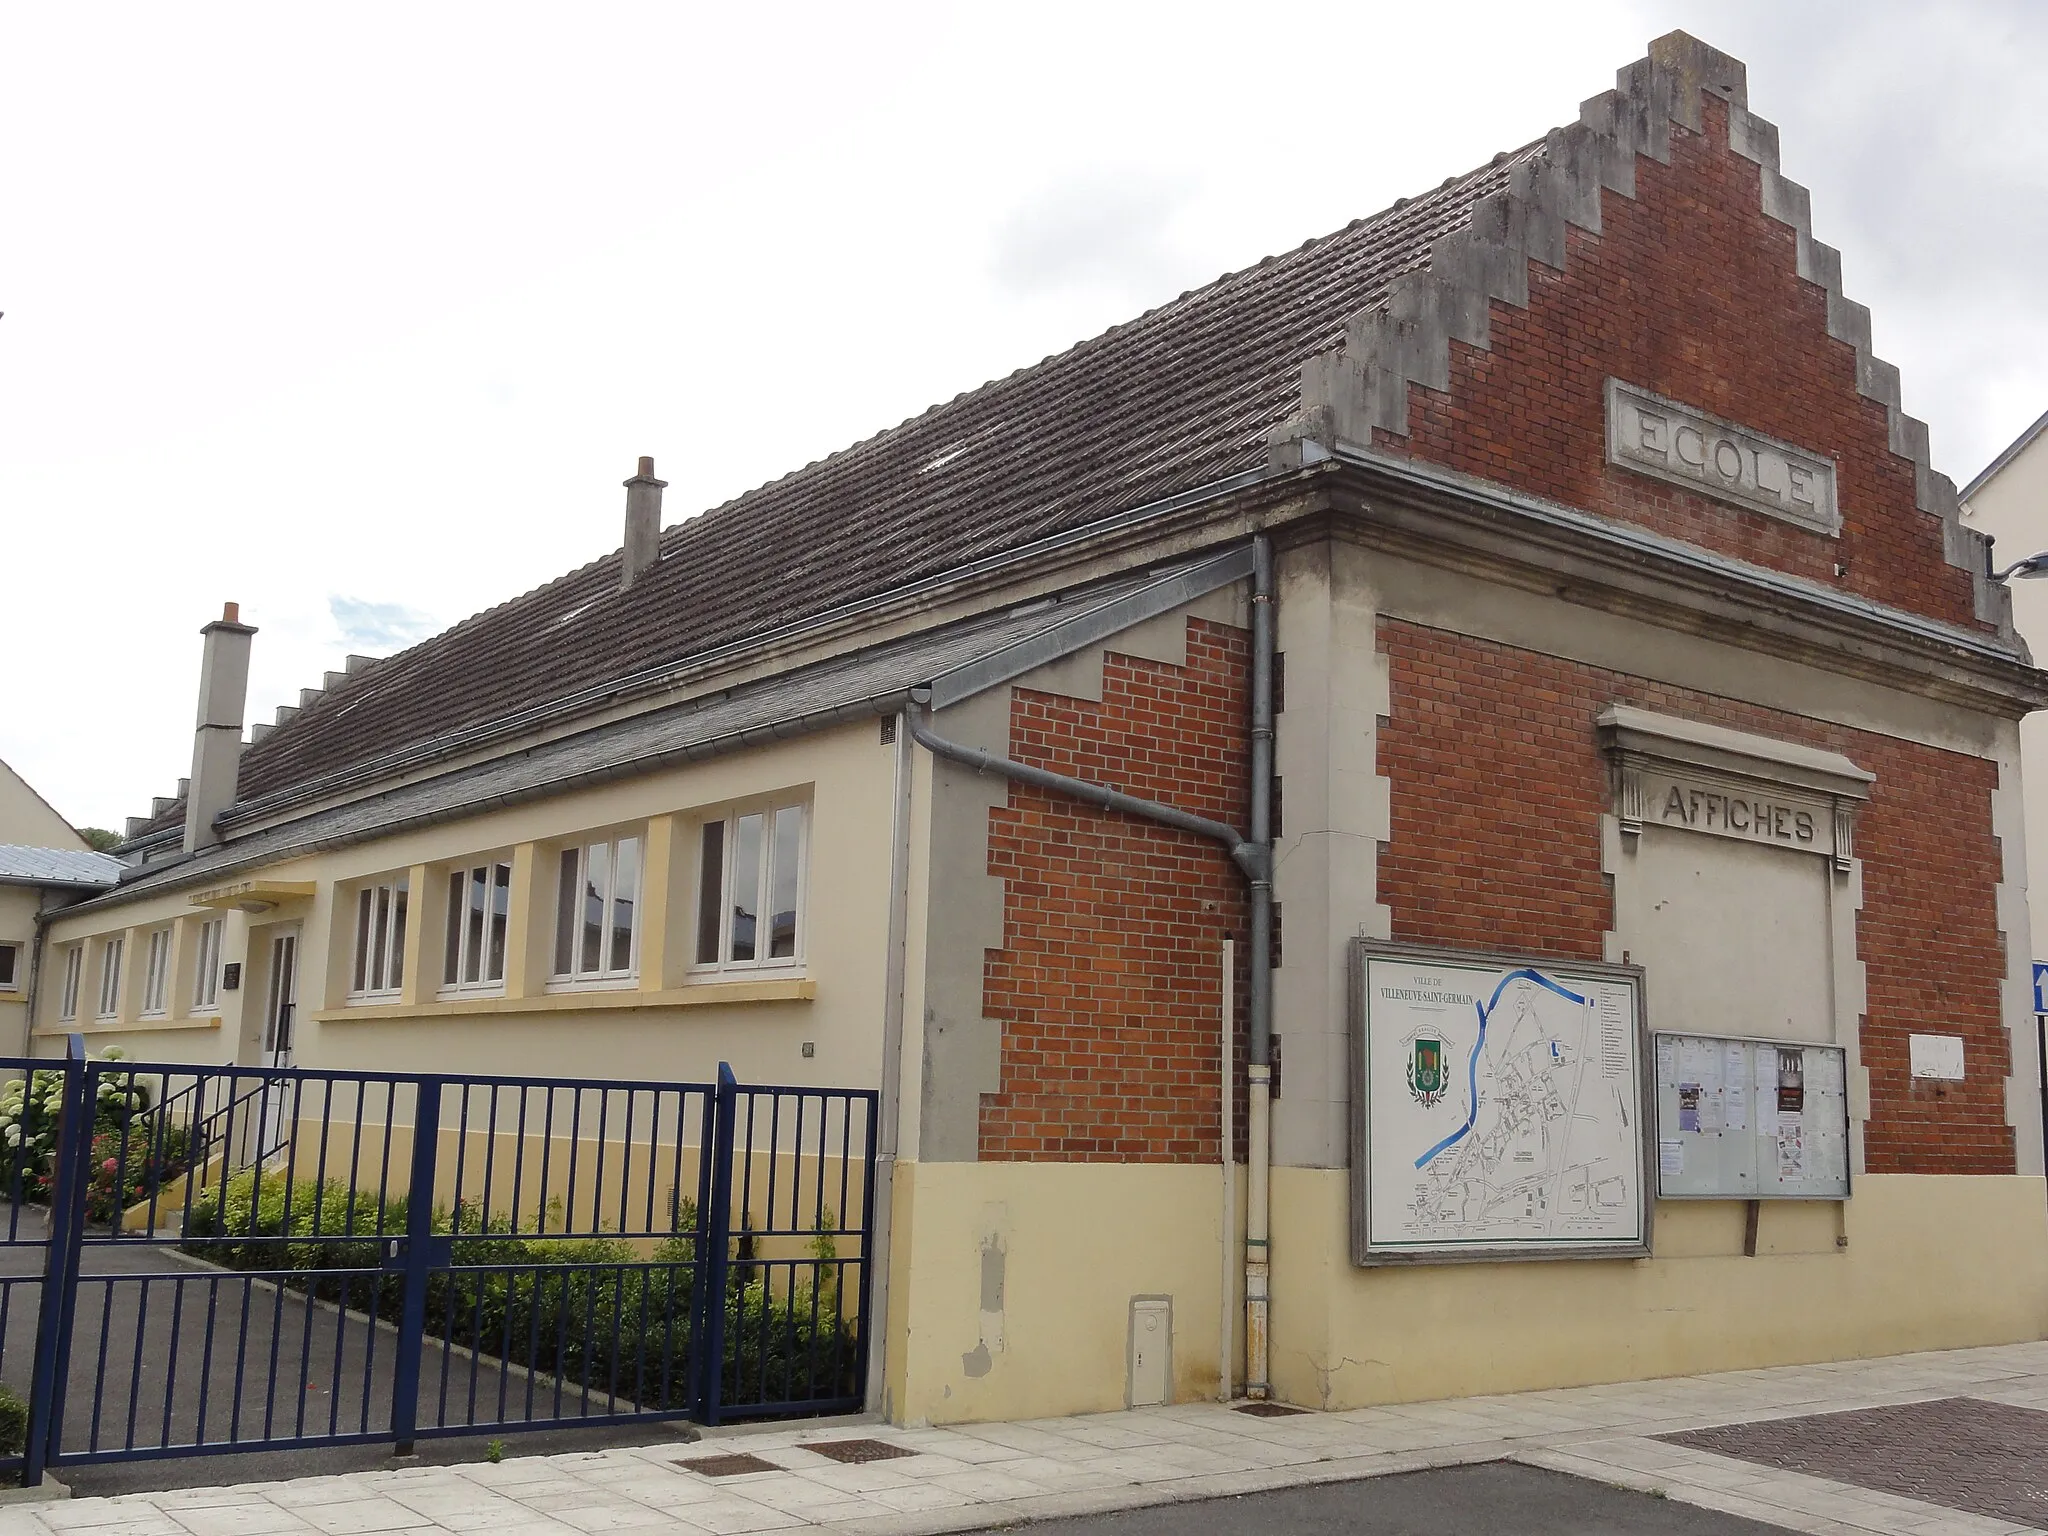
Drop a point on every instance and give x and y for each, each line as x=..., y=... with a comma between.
x=240, y=1258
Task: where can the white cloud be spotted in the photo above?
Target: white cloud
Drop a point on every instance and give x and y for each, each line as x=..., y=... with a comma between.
x=379, y=627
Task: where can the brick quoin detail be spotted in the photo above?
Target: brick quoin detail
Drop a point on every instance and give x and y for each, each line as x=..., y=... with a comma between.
x=1689, y=290
x=1497, y=789
x=1107, y=985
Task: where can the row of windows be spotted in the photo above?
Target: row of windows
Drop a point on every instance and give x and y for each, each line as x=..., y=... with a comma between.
x=156, y=975
x=750, y=880
x=749, y=897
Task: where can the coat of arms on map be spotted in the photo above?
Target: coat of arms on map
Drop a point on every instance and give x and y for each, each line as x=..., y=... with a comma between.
x=1426, y=1070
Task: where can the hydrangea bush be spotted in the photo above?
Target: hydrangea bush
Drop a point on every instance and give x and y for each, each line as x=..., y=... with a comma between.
x=132, y=1153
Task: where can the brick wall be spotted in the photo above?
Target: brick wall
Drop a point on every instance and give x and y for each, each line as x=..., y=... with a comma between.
x=1690, y=291
x=1107, y=985
x=1498, y=786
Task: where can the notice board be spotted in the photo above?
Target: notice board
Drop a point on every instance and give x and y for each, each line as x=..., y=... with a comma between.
x=1498, y=1107
x=1745, y=1119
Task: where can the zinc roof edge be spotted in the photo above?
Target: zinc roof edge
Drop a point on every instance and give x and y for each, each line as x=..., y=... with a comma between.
x=178, y=878
x=2005, y=673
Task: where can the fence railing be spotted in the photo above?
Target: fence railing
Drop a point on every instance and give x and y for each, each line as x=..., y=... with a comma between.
x=242, y=1258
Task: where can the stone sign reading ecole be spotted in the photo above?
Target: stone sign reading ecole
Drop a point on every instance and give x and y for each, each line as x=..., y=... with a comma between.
x=1687, y=447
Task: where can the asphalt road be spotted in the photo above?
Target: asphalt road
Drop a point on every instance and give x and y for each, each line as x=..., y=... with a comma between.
x=1496, y=1498
x=167, y=1353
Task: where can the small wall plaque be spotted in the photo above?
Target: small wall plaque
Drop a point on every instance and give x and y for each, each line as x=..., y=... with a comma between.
x=231, y=976
x=1939, y=1057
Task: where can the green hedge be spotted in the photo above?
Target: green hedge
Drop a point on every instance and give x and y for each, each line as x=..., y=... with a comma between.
x=587, y=1310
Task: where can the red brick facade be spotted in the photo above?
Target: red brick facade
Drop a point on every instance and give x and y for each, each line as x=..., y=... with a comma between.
x=1108, y=984
x=1497, y=789
x=1691, y=291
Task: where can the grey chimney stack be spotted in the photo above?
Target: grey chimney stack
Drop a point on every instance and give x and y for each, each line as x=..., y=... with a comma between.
x=643, y=523
x=217, y=741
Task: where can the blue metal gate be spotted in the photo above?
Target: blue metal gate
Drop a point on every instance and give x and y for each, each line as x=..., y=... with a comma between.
x=240, y=1258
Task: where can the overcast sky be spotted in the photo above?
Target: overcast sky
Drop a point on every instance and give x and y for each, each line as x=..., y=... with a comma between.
x=359, y=314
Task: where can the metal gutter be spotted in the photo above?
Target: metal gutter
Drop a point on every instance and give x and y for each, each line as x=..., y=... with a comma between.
x=1248, y=857
x=210, y=870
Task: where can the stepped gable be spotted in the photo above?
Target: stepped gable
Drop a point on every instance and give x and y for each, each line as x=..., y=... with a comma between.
x=1324, y=342
x=1360, y=393
x=1180, y=397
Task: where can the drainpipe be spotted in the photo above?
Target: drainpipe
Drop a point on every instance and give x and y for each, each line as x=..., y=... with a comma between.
x=1259, y=1071
x=1243, y=852
x=1254, y=856
x=888, y=1108
x=35, y=975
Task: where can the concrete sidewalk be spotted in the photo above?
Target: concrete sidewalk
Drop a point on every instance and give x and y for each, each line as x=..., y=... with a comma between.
x=973, y=1476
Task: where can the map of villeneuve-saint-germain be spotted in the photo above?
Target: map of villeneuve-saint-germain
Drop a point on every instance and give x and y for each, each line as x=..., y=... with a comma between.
x=1504, y=1108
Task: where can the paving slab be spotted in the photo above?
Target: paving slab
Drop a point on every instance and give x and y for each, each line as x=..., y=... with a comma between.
x=1847, y=1449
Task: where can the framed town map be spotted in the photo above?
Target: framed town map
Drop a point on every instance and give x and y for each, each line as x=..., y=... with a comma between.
x=1497, y=1108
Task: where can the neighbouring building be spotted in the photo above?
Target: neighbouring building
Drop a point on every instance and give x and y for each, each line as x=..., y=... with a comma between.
x=2009, y=502
x=1648, y=982
x=44, y=866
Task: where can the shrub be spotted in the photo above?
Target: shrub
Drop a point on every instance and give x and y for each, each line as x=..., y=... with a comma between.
x=13, y=1422
x=126, y=1168
x=143, y=1151
x=585, y=1310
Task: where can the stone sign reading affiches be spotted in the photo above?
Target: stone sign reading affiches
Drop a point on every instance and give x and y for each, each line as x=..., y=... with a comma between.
x=1687, y=447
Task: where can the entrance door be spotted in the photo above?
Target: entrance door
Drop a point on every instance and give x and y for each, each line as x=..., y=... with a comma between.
x=278, y=1009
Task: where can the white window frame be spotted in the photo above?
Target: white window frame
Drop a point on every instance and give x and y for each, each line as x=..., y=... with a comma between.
x=378, y=914
x=74, y=977
x=12, y=981
x=579, y=977
x=466, y=948
x=206, y=966
x=729, y=820
x=111, y=955
x=156, y=977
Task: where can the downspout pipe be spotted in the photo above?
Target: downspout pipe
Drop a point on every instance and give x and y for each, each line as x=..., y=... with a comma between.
x=1254, y=856
x=1259, y=1070
x=1247, y=855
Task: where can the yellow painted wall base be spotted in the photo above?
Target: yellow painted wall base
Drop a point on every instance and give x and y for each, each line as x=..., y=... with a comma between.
x=1931, y=1263
x=1011, y=1283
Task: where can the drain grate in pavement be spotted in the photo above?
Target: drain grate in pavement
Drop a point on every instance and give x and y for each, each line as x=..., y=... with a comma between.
x=733, y=1465
x=1962, y=1453
x=1268, y=1410
x=854, y=1452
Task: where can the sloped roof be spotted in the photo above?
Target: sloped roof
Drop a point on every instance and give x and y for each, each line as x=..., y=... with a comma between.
x=1181, y=397
x=2013, y=450
x=79, y=867
x=960, y=659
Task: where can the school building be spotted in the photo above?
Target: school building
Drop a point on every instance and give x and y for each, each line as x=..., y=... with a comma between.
x=1439, y=815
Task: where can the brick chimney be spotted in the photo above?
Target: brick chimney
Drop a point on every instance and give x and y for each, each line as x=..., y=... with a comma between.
x=217, y=740
x=643, y=523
